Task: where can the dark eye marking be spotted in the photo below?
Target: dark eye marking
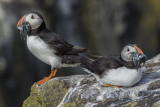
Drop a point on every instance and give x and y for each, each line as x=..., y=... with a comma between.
x=128, y=49
x=32, y=17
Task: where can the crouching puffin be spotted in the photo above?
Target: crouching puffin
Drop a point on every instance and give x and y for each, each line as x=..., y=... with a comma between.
x=46, y=45
x=116, y=71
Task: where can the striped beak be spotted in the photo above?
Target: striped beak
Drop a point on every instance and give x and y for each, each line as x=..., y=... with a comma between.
x=138, y=57
x=23, y=27
x=21, y=21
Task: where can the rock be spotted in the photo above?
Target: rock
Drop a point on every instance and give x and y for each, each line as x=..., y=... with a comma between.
x=49, y=94
x=84, y=91
x=154, y=85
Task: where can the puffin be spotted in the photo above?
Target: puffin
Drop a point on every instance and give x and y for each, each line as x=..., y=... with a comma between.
x=46, y=45
x=122, y=70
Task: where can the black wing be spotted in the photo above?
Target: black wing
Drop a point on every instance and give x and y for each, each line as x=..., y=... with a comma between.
x=57, y=43
x=103, y=64
x=95, y=57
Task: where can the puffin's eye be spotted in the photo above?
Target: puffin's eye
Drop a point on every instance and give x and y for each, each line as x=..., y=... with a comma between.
x=32, y=17
x=128, y=49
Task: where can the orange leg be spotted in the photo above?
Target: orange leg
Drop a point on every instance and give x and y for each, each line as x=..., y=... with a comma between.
x=107, y=85
x=53, y=73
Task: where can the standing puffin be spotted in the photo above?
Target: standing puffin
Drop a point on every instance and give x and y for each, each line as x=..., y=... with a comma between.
x=46, y=45
x=116, y=71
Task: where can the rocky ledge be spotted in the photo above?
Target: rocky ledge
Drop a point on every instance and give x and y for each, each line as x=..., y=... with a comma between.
x=84, y=91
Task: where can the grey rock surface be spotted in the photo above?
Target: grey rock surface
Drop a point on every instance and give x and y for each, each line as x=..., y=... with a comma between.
x=84, y=91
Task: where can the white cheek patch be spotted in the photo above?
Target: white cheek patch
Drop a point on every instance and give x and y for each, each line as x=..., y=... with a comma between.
x=34, y=23
x=126, y=56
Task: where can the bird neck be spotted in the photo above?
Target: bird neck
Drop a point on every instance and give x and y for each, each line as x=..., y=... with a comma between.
x=38, y=30
x=128, y=64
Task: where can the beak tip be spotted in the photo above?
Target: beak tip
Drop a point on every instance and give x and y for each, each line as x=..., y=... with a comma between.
x=139, y=50
x=20, y=22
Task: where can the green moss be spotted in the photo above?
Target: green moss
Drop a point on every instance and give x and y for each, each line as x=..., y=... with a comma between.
x=69, y=105
x=73, y=104
x=156, y=104
x=131, y=104
x=49, y=94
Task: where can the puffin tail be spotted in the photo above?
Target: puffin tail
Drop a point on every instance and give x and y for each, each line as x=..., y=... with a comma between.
x=77, y=49
x=83, y=61
x=94, y=57
x=86, y=62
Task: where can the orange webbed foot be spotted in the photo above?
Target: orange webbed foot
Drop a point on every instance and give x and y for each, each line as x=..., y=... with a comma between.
x=45, y=79
x=107, y=85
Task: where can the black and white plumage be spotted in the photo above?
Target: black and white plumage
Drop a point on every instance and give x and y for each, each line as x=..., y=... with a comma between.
x=46, y=45
x=122, y=70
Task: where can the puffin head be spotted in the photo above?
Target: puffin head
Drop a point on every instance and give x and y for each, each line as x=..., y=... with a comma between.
x=29, y=22
x=132, y=53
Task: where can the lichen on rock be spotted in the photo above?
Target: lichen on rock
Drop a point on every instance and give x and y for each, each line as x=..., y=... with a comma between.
x=49, y=94
x=84, y=91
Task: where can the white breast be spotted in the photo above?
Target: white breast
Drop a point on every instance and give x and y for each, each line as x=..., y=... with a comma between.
x=42, y=51
x=122, y=76
x=119, y=77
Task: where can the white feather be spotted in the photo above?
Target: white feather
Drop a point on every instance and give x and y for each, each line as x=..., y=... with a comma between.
x=42, y=51
x=96, y=76
x=69, y=65
x=120, y=77
x=35, y=22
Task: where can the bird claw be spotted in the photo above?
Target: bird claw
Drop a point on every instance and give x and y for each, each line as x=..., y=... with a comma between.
x=43, y=81
x=114, y=86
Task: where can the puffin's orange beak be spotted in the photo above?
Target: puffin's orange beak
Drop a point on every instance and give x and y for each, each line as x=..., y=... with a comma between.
x=138, y=57
x=21, y=21
x=139, y=50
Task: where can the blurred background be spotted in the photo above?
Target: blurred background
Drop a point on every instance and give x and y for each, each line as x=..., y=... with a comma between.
x=103, y=26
